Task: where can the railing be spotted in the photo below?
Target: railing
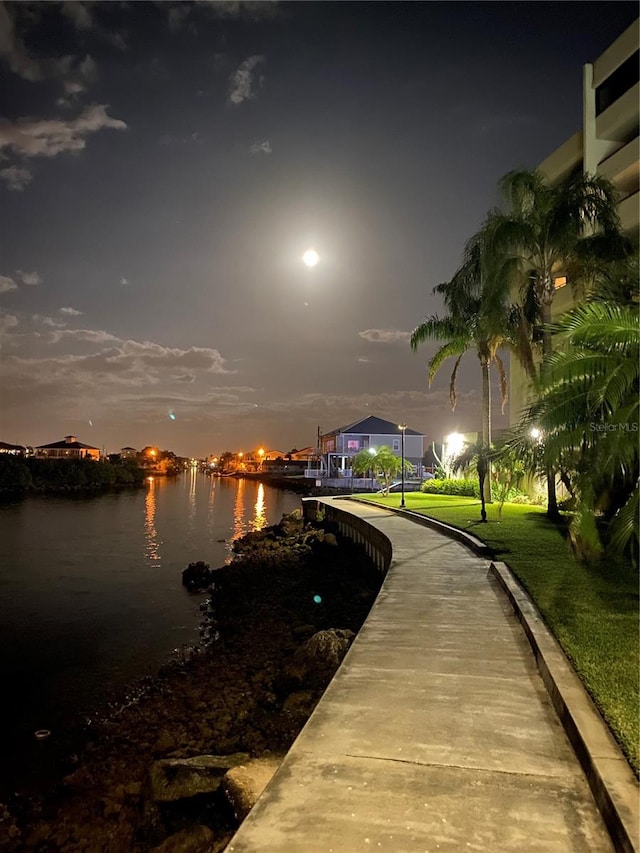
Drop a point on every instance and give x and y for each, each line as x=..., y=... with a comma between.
x=375, y=543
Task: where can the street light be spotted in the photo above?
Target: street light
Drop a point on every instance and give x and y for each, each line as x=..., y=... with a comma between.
x=402, y=428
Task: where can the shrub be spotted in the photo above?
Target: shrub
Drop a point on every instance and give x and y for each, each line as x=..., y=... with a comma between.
x=448, y=486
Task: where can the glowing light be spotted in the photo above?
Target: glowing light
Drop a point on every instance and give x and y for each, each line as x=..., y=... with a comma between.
x=455, y=443
x=311, y=258
x=535, y=433
x=172, y=416
x=317, y=599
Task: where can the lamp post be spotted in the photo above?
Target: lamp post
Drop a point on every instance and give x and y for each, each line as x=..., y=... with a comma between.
x=402, y=428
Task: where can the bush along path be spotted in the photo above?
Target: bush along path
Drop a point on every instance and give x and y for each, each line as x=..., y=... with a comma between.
x=173, y=768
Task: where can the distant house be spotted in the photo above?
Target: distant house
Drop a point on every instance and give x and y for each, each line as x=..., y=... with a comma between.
x=13, y=449
x=69, y=448
x=304, y=455
x=128, y=453
x=339, y=446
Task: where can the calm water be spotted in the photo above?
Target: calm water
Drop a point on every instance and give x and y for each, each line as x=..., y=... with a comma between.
x=91, y=598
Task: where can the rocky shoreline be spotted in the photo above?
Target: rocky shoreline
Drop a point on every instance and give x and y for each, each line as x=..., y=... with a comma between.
x=156, y=774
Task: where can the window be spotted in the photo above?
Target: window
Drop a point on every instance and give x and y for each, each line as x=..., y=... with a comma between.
x=396, y=444
x=559, y=281
x=623, y=78
x=353, y=444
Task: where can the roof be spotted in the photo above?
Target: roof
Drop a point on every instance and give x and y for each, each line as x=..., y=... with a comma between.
x=67, y=445
x=5, y=446
x=372, y=426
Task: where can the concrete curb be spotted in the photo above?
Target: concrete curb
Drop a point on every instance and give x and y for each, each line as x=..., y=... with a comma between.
x=612, y=782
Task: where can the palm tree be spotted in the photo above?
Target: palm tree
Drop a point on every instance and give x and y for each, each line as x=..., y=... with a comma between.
x=383, y=461
x=589, y=408
x=545, y=228
x=480, y=318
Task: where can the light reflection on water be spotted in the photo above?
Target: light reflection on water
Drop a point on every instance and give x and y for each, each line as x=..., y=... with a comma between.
x=239, y=526
x=193, y=482
x=152, y=547
x=260, y=519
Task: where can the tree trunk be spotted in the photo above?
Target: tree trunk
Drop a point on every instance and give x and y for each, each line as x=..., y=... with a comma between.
x=486, y=427
x=547, y=349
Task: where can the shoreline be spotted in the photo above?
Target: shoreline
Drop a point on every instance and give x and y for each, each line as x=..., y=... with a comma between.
x=236, y=694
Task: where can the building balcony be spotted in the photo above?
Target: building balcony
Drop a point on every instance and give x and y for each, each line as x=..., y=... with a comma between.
x=620, y=120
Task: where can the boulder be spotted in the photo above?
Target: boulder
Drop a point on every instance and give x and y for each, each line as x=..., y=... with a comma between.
x=197, y=576
x=193, y=839
x=173, y=779
x=243, y=784
x=316, y=661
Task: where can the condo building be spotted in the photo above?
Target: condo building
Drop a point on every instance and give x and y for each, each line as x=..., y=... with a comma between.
x=608, y=144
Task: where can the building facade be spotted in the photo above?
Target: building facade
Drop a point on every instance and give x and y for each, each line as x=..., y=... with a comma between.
x=608, y=144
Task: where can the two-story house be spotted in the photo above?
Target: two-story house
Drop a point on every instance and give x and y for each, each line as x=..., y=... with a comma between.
x=339, y=446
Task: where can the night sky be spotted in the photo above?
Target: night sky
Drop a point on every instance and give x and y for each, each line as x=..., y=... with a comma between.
x=165, y=165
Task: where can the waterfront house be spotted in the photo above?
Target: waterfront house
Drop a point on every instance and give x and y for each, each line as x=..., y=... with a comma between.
x=69, y=448
x=13, y=449
x=339, y=446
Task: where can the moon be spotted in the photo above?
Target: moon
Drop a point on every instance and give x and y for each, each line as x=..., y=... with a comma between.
x=311, y=257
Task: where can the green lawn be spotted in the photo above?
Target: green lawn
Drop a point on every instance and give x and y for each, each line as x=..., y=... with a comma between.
x=592, y=612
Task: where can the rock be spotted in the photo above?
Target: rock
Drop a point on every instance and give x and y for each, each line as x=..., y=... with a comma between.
x=318, y=659
x=193, y=839
x=243, y=784
x=178, y=778
x=197, y=576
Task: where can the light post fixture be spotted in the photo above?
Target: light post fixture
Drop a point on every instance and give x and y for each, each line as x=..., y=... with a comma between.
x=402, y=428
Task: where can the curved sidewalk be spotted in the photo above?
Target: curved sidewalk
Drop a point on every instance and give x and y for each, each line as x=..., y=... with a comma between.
x=436, y=734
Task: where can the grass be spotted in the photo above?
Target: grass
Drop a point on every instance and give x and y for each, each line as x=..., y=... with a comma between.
x=593, y=612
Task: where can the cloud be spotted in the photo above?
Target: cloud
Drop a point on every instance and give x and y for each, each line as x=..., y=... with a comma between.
x=32, y=137
x=7, y=284
x=16, y=177
x=385, y=336
x=242, y=80
x=7, y=321
x=30, y=278
x=94, y=336
x=81, y=15
x=261, y=148
x=70, y=312
x=49, y=321
x=124, y=281
x=183, y=14
x=251, y=9
x=14, y=51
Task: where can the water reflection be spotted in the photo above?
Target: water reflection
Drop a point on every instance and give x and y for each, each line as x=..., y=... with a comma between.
x=239, y=528
x=210, y=506
x=260, y=520
x=152, y=545
x=193, y=475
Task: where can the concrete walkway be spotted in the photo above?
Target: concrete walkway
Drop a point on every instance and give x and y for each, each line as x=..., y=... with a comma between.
x=436, y=734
